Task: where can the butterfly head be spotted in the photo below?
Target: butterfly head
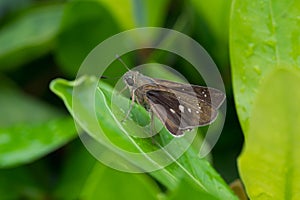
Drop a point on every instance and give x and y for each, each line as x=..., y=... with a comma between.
x=134, y=79
x=129, y=78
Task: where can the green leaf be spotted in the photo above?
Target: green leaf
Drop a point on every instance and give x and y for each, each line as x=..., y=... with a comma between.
x=186, y=189
x=201, y=177
x=270, y=165
x=84, y=25
x=29, y=36
x=25, y=143
x=132, y=14
x=29, y=129
x=265, y=45
x=264, y=36
x=189, y=166
x=17, y=107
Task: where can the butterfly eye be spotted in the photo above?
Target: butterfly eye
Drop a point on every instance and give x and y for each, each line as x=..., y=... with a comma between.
x=130, y=81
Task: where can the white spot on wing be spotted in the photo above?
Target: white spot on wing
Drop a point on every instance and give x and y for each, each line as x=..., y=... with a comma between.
x=173, y=111
x=181, y=108
x=189, y=110
x=197, y=111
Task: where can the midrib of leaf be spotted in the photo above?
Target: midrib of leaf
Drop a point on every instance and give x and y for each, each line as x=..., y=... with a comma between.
x=275, y=23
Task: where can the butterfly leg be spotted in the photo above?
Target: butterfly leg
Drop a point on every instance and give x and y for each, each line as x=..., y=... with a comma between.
x=130, y=108
x=152, y=126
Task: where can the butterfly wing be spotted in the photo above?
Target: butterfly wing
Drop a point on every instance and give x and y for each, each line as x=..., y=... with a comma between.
x=210, y=95
x=176, y=109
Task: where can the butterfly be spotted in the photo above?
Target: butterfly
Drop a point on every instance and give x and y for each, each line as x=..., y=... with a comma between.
x=179, y=106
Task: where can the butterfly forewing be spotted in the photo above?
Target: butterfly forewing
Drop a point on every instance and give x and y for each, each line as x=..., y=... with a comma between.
x=177, y=110
x=210, y=95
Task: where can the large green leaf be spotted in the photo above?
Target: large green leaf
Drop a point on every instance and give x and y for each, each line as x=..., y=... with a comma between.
x=29, y=36
x=264, y=36
x=269, y=164
x=29, y=129
x=265, y=48
x=189, y=166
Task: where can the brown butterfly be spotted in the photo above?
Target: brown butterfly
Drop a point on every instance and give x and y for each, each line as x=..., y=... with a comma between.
x=180, y=107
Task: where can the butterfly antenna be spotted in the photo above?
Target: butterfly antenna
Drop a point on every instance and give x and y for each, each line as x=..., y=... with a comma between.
x=105, y=77
x=118, y=57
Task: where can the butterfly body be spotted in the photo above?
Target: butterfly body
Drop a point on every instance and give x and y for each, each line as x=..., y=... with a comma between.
x=180, y=107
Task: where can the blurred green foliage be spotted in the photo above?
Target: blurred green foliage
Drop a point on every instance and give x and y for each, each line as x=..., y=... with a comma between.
x=41, y=156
